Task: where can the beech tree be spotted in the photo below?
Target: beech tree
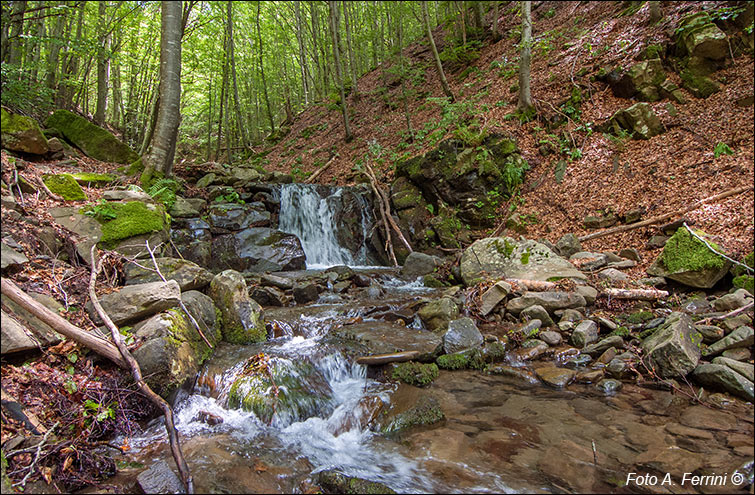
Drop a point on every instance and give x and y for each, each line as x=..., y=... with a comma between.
x=333, y=7
x=525, y=105
x=436, y=56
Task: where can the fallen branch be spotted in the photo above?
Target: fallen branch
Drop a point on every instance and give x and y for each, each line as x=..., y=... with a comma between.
x=661, y=218
x=61, y=325
x=636, y=294
x=385, y=205
x=312, y=177
x=380, y=359
x=136, y=373
x=384, y=222
x=41, y=443
x=727, y=315
x=533, y=285
x=713, y=250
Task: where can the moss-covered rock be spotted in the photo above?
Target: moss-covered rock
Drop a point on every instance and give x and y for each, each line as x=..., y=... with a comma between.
x=689, y=261
x=243, y=321
x=92, y=179
x=65, y=186
x=413, y=373
x=700, y=86
x=425, y=412
x=746, y=282
x=21, y=133
x=468, y=359
x=131, y=219
x=334, y=482
x=93, y=140
x=639, y=119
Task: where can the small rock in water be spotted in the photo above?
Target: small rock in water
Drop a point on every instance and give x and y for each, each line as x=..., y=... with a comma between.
x=551, y=338
x=208, y=418
x=608, y=386
x=462, y=334
x=334, y=482
x=555, y=377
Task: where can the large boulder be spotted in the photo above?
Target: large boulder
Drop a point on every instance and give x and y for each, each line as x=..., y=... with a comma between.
x=674, y=348
x=462, y=334
x=11, y=259
x=437, y=314
x=192, y=238
x=20, y=133
x=231, y=217
x=188, y=274
x=242, y=317
x=257, y=249
x=741, y=337
x=697, y=36
x=718, y=376
x=65, y=186
x=93, y=140
x=644, y=78
x=24, y=331
x=639, y=119
x=499, y=257
x=418, y=264
x=689, y=261
x=135, y=302
x=386, y=337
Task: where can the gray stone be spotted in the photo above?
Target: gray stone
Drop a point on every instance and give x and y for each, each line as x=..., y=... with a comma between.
x=600, y=221
x=232, y=217
x=183, y=209
x=673, y=349
x=630, y=254
x=206, y=180
x=555, y=377
x=11, y=259
x=612, y=275
x=585, y=333
x=608, y=324
x=86, y=228
x=275, y=281
x=738, y=354
x=622, y=265
x=126, y=195
x=587, y=261
x=710, y=333
x=384, y=337
x=732, y=301
x=570, y=315
x=494, y=295
x=257, y=249
x=437, y=314
x=741, y=337
x=188, y=274
x=505, y=257
x=201, y=307
x=418, y=264
x=745, y=369
x=306, y=292
x=462, y=334
x=551, y=301
x=657, y=241
x=568, y=245
x=705, y=41
x=652, y=281
x=723, y=377
x=135, y=302
x=268, y=296
x=536, y=312
x=243, y=320
x=37, y=330
x=600, y=347
x=551, y=338
x=609, y=386
x=638, y=119
x=160, y=478
x=15, y=338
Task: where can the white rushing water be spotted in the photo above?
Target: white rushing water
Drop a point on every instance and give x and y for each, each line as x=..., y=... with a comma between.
x=311, y=217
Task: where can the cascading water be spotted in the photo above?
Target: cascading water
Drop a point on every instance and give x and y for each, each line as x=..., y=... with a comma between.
x=312, y=217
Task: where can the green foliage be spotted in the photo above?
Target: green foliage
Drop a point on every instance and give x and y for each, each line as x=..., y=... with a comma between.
x=19, y=93
x=101, y=210
x=164, y=190
x=549, y=13
x=460, y=55
x=132, y=218
x=231, y=197
x=722, y=149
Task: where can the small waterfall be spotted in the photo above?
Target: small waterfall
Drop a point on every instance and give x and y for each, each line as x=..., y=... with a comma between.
x=312, y=216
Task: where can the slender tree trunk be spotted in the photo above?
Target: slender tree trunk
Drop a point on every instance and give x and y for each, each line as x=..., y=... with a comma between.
x=404, y=97
x=54, y=53
x=160, y=157
x=375, y=40
x=317, y=53
x=103, y=63
x=71, y=65
x=352, y=61
x=15, y=47
x=496, y=33
x=236, y=101
x=209, y=120
x=333, y=5
x=151, y=122
x=118, y=110
x=262, y=72
x=221, y=106
x=5, y=16
x=37, y=48
x=477, y=14
x=525, y=96
x=302, y=54
x=434, y=49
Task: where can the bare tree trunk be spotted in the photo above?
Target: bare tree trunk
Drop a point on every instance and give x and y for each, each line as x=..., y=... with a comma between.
x=221, y=106
x=337, y=63
x=37, y=48
x=302, y=54
x=239, y=120
x=352, y=61
x=436, y=57
x=103, y=63
x=525, y=96
x=160, y=157
x=14, y=53
x=70, y=66
x=54, y=54
x=404, y=97
x=496, y=33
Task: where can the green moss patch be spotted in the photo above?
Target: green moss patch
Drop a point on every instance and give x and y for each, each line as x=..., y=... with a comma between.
x=416, y=374
x=700, y=86
x=468, y=359
x=93, y=140
x=85, y=178
x=64, y=185
x=426, y=412
x=132, y=218
x=683, y=252
x=746, y=282
x=640, y=317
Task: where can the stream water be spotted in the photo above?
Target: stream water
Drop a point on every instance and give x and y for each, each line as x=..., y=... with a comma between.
x=501, y=433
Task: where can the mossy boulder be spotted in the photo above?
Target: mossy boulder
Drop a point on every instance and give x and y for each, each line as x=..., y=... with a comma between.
x=243, y=321
x=689, y=261
x=698, y=36
x=65, y=186
x=643, y=79
x=93, y=140
x=93, y=180
x=332, y=481
x=424, y=411
x=413, y=373
x=21, y=133
x=639, y=119
x=699, y=85
x=125, y=220
x=470, y=358
x=302, y=390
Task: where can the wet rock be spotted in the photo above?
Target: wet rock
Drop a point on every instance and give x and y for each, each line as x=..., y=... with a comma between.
x=530, y=353
x=414, y=373
x=568, y=245
x=599, y=347
x=268, y=296
x=737, y=299
x=673, y=349
x=189, y=275
x=585, y=333
x=500, y=257
x=191, y=237
x=741, y=337
x=208, y=418
x=607, y=356
x=21, y=133
x=587, y=261
x=257, y=249
x=706, y=418
x=11, y=259
x=332, y=481
x=184, y=209
x=740, y=354
x=418, y=264
x=689, y=261
x=536, y=312
x=551, y=301
x=639, y=119
x=555, y=377
x=361, y=280
x=744, y=369
x=462, y=334
x=591, y=376
x=160, y=478
x=494, y=295
x=518, y=374
x=306, y=292
x=424, y=410
x=383, y=337
x=135, y=302
x=275, y=281
x=619, y=368
x=242, y=318
x=93, y=140
x=437, y=314
x=231, y=217
x=609, y=386
x=551, y=338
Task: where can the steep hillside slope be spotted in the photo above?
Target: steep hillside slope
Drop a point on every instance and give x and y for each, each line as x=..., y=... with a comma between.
x=574, y=43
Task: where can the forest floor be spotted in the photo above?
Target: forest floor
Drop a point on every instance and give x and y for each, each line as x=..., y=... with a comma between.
x=573, y=41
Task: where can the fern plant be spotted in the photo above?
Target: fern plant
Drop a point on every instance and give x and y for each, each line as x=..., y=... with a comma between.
x=164, y=191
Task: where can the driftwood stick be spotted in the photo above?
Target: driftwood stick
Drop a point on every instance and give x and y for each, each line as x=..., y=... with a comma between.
x=314, y=176
x=661, y=218
x=384, y=222
x=41, y=443
x=136, y=373
x=636, y=294
x=61, y=325
x=533, y=285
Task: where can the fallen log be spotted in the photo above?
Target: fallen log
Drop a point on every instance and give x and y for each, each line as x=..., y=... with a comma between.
x=533, y=285
x=380, y=359
x=661, y=218
x=61, y=325
x=636, y=294
x=322, y=169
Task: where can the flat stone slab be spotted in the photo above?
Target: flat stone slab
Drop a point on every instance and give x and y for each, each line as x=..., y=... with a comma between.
x=382, y=337
x=718, y=376
x=11, y=258
x=555, y=377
